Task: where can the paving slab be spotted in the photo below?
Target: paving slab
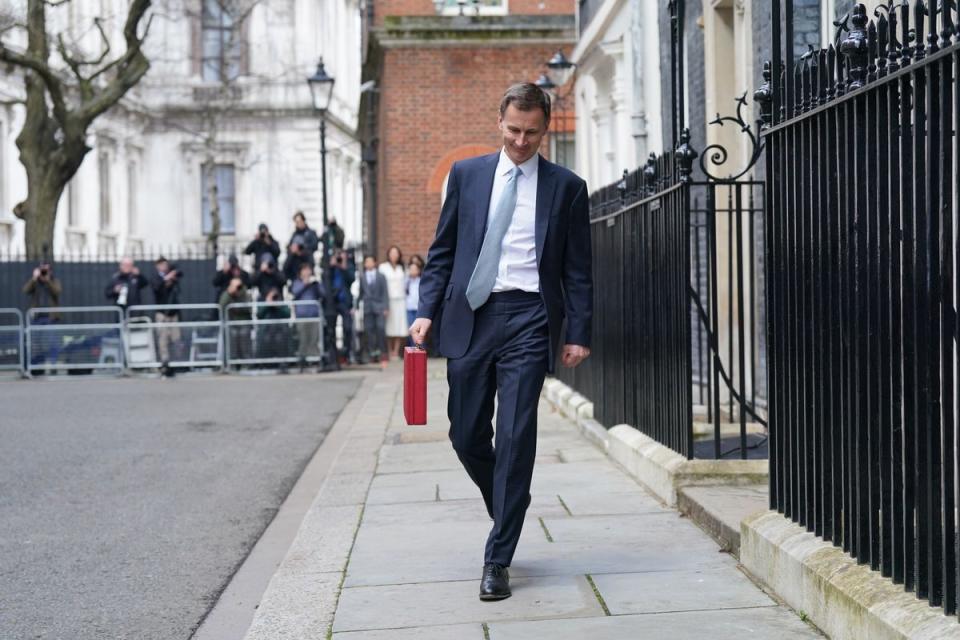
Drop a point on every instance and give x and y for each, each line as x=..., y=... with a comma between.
x=584, y=502
x=345, y=489
x=766, y=623
x=323, y=543
x=423, y=486
x=411, y=605
x=439, y=632
x=296, y=608
x=720, y=586
x=430, y=456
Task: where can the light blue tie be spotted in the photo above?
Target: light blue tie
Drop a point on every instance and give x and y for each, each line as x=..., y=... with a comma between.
x=485, y=273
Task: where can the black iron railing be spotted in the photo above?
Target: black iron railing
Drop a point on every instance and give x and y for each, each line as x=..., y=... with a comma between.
x=640, y=369
x=862, y=156
x=677, y=333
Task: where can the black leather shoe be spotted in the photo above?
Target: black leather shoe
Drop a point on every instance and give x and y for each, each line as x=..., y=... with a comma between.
x=495, y=583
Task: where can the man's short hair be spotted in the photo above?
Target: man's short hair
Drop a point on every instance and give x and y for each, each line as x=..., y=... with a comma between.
x=299, y=214
x=526, y=96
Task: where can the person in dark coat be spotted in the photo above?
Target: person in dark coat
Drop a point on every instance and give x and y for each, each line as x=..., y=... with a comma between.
x=268, y=277
x=125, y=285
x=166, y=291
x=342, y=275
x=376, y=306
x=307, y=289
x=273, y=334
x=239, y=335
x=296, y=257
x=262, y=244
x=231, y=269
x=44, y=290
x=310, y=239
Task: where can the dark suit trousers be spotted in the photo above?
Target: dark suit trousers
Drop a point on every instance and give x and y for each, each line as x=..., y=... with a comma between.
x=507, y=357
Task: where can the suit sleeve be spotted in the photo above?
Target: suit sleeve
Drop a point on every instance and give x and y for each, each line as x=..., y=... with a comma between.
x=436, y=273
x=578, y=272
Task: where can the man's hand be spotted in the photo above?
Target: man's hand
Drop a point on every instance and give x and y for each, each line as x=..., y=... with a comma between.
x=573, y=354
x=419, y=330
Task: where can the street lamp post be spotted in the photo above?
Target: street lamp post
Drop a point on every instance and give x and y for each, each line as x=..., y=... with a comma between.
x=321, y=91
x=559, y=72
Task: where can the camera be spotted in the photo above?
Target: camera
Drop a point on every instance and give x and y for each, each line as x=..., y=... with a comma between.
x=44, y=272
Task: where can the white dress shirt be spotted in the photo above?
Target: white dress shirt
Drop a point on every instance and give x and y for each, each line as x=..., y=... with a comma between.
x=518, y=253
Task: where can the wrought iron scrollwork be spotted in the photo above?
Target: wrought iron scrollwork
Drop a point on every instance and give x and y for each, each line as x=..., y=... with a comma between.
x=718, y=154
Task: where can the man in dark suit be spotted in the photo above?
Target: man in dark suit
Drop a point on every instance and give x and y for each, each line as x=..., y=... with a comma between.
x=376, y=306
x=510, y=261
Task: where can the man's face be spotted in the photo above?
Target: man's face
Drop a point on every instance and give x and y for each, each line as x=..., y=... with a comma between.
x=126, y=265
x=163, y=267
x=522, y=132
x=369, y=264
x=300, y=223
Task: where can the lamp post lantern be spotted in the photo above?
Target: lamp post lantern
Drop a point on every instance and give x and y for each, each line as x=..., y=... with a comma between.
x=321, y=91
x=558, y=74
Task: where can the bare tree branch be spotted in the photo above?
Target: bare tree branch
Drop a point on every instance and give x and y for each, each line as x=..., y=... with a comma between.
x=130, y=67
x=42, y=69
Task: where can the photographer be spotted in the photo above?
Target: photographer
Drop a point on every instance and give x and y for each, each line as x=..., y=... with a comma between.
x=306, y=288
x=310, y=241
x=267, y=277
x=124, y=287
x=44, y=291
x=231, y=269
x=262, y=244
x=166, y=291
x=296, y=258
x=342, y=274
x=43, y=288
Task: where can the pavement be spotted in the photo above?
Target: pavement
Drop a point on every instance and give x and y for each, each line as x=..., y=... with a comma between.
x=126, y=504
x=392, y=547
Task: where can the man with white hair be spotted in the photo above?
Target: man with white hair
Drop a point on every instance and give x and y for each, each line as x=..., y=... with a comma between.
x=125, y=285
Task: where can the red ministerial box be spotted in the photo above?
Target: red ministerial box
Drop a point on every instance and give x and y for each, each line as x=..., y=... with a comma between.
x=415, y=385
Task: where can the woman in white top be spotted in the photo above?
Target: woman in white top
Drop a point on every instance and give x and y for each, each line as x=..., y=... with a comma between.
x=396, y=277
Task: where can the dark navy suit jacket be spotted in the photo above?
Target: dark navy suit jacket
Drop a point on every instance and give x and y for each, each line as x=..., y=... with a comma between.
x=563, y=254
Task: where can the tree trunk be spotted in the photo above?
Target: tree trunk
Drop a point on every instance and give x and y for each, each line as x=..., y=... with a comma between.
x=40, y=208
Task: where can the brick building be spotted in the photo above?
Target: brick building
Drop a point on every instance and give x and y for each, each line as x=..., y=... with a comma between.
x=437, y=78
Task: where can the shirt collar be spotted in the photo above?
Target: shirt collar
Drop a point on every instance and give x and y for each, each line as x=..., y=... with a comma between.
x=529, y=168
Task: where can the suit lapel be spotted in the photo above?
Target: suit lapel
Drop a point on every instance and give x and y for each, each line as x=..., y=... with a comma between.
x=545, y=194
x=485, y=186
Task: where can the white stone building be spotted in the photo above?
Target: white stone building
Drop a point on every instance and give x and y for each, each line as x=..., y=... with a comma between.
x=141, y=187
x=618, y=88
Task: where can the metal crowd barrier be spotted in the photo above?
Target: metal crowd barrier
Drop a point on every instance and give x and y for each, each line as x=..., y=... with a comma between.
x=11, y=340
x=74, y=339
x=268, y=333
x=192, y=340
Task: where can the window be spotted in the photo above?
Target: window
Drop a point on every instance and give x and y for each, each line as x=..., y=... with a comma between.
x=223, y=183
x=220, y=43
x=73, y=208
x=103, y=167
x=132, y=227
x=563, y=150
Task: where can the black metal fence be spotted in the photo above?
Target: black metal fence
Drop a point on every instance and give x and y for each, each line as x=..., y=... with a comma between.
x=862, y=156
x=640, y=371
x=676, y=332
x=84, y=276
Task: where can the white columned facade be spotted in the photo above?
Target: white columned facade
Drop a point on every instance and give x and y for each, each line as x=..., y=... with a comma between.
x=147, y=151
